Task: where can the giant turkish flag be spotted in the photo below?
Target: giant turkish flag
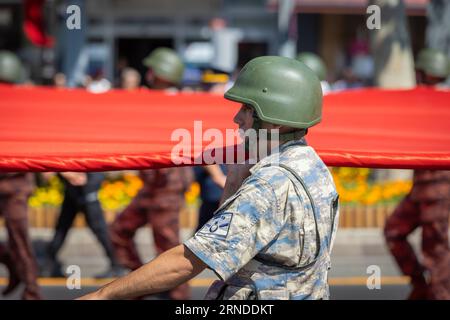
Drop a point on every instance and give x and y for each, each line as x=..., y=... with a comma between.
x=47, y=129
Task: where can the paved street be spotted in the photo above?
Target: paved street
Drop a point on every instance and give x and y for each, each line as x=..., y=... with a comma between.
x=351, y=292
x=355, y=250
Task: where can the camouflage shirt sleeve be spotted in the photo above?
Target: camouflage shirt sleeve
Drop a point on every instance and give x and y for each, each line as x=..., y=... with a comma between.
x=241, y=228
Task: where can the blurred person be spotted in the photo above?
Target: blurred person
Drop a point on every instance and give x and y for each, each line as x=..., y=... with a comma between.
x=362, y=66
x=215, y=81
x=212, y=181
x=130, y=79
x=165, y=69
x=192, y=79
x=427, y=206
x=317, y=65
x=98, y=83
x=121, y=64
x=162, y=196
x=59, y=80
x=361, y=62
x=81, y=195
x=432, y=68
x=347, y=80
x=15, y=189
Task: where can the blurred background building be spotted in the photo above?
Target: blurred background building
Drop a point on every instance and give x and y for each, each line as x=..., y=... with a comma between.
x=115, y=34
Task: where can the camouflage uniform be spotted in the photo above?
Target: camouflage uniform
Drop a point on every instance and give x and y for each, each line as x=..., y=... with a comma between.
x=272, y=239
x=18, y=256
x=159, y=203
x=426, y=206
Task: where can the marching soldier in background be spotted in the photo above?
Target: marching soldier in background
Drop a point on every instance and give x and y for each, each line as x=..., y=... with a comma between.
x=160, y=200
x=427, y=206
x=15, y=189
x=317, y=65
x=81, y=195
x=432, y=67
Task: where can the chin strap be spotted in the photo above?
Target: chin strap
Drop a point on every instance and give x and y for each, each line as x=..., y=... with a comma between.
x=283, y=137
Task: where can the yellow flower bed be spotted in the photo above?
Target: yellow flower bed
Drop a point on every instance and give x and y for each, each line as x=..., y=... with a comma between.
x=114, y=195
x=50, y=195
x=354, y=186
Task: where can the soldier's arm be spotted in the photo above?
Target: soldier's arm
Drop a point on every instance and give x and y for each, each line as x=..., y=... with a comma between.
x=75, y=178
x=216, y=175
x=165, y=272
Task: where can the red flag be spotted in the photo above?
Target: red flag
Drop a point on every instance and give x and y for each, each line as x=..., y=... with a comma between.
x=46, y=129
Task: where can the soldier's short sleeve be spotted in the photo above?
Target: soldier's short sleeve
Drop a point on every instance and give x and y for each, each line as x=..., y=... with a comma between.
x=242, y=227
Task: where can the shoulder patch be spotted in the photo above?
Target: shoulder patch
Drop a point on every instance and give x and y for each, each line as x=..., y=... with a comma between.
x=218, y=226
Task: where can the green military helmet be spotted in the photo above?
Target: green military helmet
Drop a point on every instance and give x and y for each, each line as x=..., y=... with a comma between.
x=283, y=91
x=433, y=62
x=11, y=69
x=166, y=64
x=315, y=63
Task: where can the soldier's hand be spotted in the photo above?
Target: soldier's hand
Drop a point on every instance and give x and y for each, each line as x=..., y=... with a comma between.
x=91, y=296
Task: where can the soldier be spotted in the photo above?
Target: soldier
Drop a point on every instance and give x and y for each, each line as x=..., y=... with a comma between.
x=432, y=66
x=272, y=238
x=165, y=69
x=316, y=64
x=15, y=189
x=81, y=195
x=428, y=206
x=161, y=198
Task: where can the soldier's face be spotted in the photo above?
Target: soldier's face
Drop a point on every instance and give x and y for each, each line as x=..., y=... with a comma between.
x=244, y=117
x=426, y=79
x=155, y=82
